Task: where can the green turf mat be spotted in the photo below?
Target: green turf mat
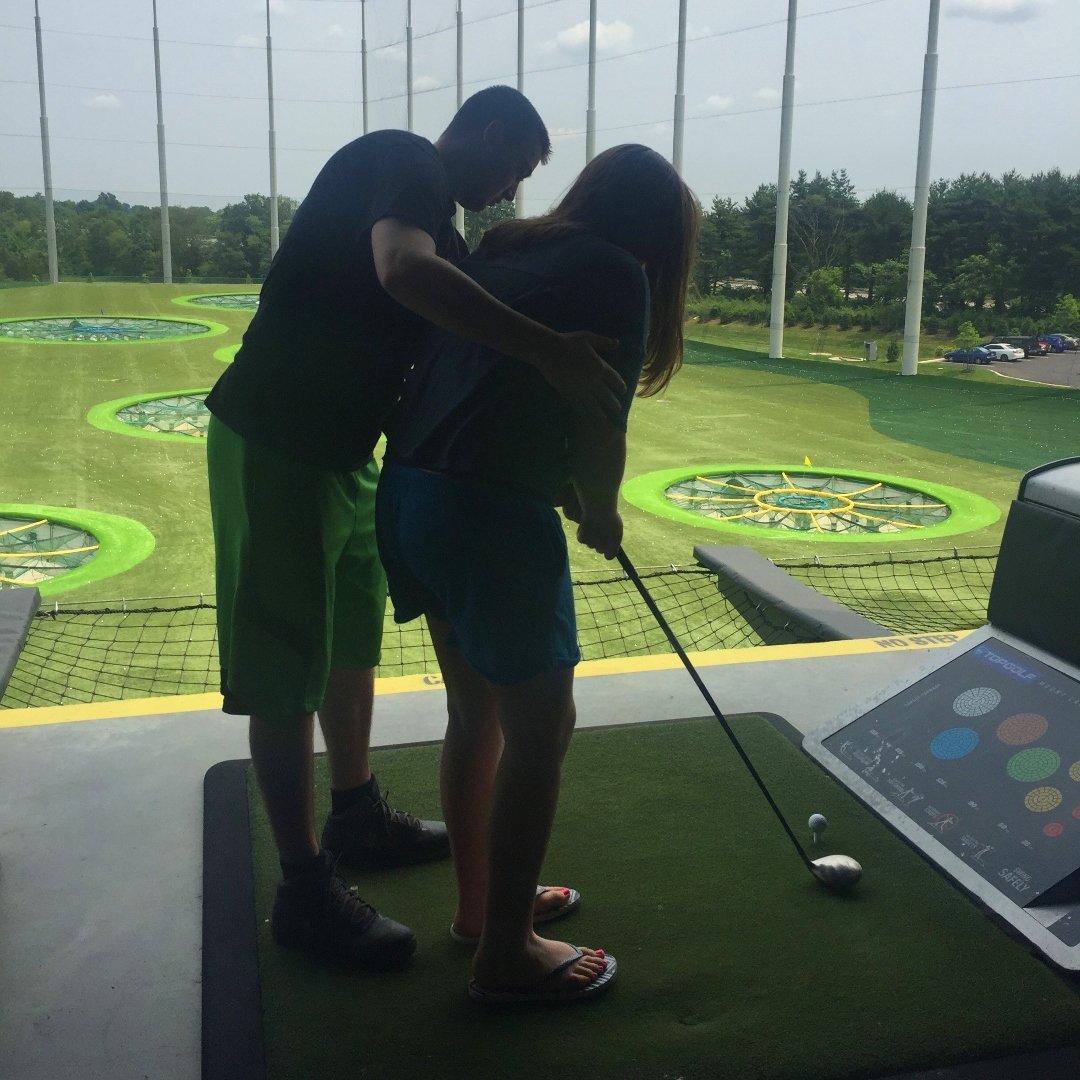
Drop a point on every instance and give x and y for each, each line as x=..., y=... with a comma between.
x=733, y=961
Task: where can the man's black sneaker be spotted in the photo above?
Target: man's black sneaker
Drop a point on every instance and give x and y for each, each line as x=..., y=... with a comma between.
x=371, y=833
x=316, y=911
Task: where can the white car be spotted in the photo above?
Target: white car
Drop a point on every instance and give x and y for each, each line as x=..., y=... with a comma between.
x=1000, y=351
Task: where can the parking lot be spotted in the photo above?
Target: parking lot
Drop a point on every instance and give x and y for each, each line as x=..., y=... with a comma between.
x=1057, y=369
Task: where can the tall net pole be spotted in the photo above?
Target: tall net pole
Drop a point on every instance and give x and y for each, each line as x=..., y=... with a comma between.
x=590, y=111
x=166, y=236
x=519, y=200
x=46, y=166
x=408, y=65
x=783, y=193
x=909, y=365
x=363, y=64
x=459, y=213
x=680, y=97
x=273, y=139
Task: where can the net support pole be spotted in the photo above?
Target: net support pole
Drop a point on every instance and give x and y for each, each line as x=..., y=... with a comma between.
x=783, y=192
x=909, y=365
x=408, y=67
x=46, y=162
x=363, y=67
x=590, y=109
x=519, y=198
x=459, y=213
x=680, y=96
x=274, y=237
x=163, y=183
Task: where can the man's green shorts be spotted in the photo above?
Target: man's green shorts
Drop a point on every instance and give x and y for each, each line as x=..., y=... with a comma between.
x=300, y=589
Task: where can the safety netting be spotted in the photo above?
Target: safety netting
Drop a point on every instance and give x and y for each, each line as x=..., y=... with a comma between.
x=112, y=650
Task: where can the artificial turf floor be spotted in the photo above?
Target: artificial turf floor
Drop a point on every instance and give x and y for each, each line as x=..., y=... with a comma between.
x=733, y=961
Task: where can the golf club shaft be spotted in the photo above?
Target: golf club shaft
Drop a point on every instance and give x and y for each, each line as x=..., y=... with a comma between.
x=632, y=574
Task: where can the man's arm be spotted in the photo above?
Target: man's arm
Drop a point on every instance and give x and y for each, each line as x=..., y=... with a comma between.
x=417, y=278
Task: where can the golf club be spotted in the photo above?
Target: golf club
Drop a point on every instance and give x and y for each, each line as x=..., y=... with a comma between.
x=835, y=871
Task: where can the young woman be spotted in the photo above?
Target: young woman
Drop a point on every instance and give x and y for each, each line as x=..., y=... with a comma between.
x=479, y=458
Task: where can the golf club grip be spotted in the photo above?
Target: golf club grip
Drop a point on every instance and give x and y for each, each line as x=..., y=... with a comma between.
x=632, y=574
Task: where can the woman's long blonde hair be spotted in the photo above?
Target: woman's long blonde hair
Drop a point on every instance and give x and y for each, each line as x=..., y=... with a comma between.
x=631, y=196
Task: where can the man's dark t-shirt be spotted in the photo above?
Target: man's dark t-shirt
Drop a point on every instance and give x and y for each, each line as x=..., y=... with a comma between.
x=322, y=362
x=471, y=412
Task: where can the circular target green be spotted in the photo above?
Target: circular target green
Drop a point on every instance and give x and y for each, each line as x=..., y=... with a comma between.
x=173, y=415
x=809, y=503
x=226, y=353
x=105, y=329
x=246, y=302
x=55, y=548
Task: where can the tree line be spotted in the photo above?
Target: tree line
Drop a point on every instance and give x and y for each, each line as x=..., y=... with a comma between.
x=1002, y=250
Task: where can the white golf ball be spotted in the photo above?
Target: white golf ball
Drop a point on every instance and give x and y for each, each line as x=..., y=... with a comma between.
x=817, y=823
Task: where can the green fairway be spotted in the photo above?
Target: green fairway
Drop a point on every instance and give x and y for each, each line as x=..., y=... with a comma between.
x=729, y=404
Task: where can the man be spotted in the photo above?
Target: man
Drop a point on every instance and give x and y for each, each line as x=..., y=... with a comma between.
x=365, y=268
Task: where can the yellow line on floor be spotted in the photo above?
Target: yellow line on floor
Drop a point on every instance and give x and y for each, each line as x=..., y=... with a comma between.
x=401, y=684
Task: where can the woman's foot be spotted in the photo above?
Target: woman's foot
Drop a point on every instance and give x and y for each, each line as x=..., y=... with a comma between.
x=551, y=967
x=552, y=902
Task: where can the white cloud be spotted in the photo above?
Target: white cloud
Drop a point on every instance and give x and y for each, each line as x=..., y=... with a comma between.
x=564, y=132
x=394, y=53
x=664, y=127
x=718, y=102
x=997, y=10
x=425, y=82
x=610, y=37
x=767, y=93
x=249, y=41
x=334, y=30
x=105, y=101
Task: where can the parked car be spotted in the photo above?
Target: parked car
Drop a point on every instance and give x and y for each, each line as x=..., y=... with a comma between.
x=1059, y=342
x=975, y=355
x=1001, y=350
x=1032, y=346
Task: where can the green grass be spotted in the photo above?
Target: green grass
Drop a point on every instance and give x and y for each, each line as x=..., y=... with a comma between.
x=803, y=342
x=730, y=403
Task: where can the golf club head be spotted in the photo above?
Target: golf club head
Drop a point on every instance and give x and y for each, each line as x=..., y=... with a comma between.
x=836, y=871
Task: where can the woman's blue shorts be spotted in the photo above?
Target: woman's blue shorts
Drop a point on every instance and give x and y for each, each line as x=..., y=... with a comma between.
x=492, y=564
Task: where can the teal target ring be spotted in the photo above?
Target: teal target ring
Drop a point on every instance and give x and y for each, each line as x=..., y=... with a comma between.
x=809, y=503
x=172, y=415
x=246, y=302
x=105, y=329
x=54, y=548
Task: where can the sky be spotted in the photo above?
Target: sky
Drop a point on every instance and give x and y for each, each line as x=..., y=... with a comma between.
x=1008, y=93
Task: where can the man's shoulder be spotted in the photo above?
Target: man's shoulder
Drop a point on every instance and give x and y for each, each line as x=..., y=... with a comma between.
x=388, y=141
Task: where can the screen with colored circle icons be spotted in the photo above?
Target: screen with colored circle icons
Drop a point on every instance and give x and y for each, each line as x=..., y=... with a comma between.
x=984, y=755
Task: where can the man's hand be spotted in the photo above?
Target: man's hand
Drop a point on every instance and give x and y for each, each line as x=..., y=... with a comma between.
x=580, y=375
x=602, y=533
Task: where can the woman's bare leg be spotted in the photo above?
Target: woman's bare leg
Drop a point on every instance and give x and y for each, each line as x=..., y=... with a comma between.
x=537, y=719
x=470, y=756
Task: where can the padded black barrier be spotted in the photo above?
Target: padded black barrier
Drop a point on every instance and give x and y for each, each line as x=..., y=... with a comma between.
x=820, y=618
x=1036, y=589
x=17, y=609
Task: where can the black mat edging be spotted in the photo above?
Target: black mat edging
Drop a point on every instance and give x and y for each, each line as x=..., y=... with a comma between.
x=232, y=1033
